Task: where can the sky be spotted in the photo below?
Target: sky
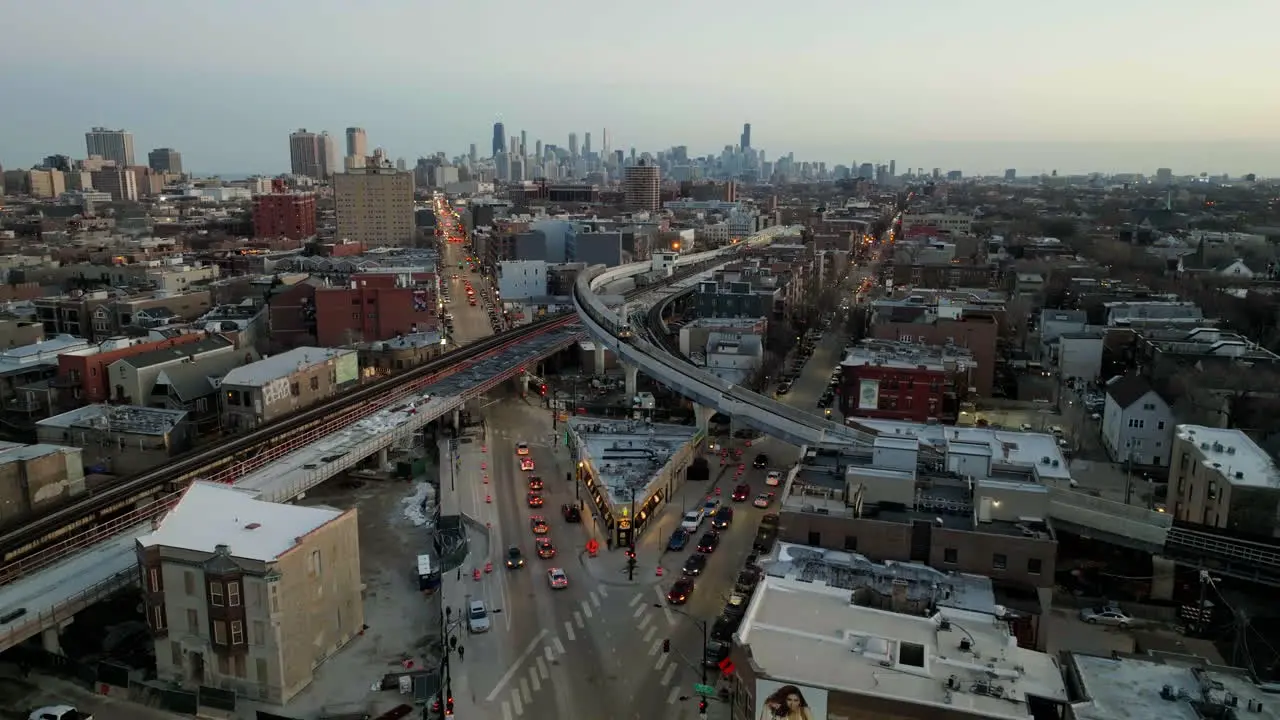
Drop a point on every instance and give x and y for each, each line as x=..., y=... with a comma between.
x=978, y=85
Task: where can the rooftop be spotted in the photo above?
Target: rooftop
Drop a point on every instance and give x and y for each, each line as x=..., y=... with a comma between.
x=408, y=342
x=809, y=633
x=1165, y=687
x=209, y=515
x=1233, y=454
x=281, y=366
x=16, y=452
x=1005, y=447
x=173, y=353
x=627, y=454
x=902, y=355
x=118, y=418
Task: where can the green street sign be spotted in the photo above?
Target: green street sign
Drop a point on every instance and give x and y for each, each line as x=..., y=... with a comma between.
x=704, y=690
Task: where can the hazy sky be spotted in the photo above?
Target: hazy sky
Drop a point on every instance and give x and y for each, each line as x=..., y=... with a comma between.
x=978, y=85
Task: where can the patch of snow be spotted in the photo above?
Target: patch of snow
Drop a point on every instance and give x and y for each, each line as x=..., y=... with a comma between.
x=420, y=507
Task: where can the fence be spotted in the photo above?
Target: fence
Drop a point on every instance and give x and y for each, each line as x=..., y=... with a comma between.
x=67, y=610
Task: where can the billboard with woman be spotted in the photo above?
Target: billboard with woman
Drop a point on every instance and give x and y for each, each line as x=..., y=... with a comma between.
x=783, y=701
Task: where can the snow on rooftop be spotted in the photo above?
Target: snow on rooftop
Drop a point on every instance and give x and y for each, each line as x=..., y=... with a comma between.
x=625, y=454
x=281, y=366
x=1233, y=454
x=1007, y=447
x=209, y=515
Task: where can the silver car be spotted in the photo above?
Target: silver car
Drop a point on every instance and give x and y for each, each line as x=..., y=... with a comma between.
x=478, y=617
x=1107, y=616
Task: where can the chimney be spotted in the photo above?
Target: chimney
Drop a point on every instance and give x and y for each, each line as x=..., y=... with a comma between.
x=898, y=596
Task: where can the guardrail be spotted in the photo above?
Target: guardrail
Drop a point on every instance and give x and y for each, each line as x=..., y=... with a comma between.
x=67, y=610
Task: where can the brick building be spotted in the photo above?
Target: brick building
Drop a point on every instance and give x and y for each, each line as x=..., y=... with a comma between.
x=893, y=380
x=976, y=331
x=82, y=376
x=376, y=306
x=291, y=215
x=260, y=392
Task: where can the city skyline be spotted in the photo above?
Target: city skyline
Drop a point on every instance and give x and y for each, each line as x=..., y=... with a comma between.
x=1030, y=90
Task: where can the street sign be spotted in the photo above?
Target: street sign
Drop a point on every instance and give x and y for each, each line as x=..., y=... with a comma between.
x=704, y=690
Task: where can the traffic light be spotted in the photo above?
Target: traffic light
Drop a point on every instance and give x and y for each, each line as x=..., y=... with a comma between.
x=666, y=645
x=542, y=389
x=448, y=706
x=702, y=706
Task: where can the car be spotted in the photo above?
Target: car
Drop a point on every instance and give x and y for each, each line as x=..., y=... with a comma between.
x=571, y=513
x=58, y=712
x=680, y=591
x=546, y=549
x=515, y=558
x=472, y=302
x=1106, y=615
x=535, y=500
x=708, y=542
x=784, y=388
x=761, y=461
x=710, y=506
x=694, y=565
x=477, y=617
x=691, y=520
x=770, y=521
x=526, y=464
x=539, y=525
x=723, y=518
x=763, y=500
x=678, y=540
x=741, y=492
x=557, y=579
x=773, y=479
x=535, y=482
x=522, y=448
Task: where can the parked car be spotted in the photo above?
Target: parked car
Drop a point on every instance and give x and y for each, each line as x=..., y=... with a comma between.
x=571, y=513
x=1107, y=615
x=691, y=521
x=478, y=617
x=679, y=539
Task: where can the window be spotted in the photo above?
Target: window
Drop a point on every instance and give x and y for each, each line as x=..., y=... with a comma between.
x=219, y=632
x=1034, y=565
x=950, y=556
x=215, y=594
x=851, y=543
x=193, y=621
x=1000, y=561
x=238, y=663
x=153, y=575
x=910, y=653
x=189, y=583
x=313, y=564
x=315, y=383
x=275, y=598
x=1148, y=406
x=233, y=594
x=1160, y=425
x=157, y=618
x=237, y=632
x=175, y=653
x=294, y=389
x=815, y=539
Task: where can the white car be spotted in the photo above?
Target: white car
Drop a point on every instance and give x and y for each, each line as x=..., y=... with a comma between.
x=526, y=464
x=773, y=479
x=522, y=449
x=691, y=521
x=59, y=712
x=1107, y=615
x=763, y=500
x=477, y=617
x=557, y=579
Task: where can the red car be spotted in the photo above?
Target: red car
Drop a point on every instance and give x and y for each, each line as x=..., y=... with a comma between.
x=741, y=493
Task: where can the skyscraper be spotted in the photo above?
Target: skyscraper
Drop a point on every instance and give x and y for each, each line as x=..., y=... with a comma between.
x=165, y=160
x=586, y=144
x=312, y=155
x=746, y=137
x=640, y=183
x=114, y=145
x=357, y=142
x=604, y=142
x=573, y=145
x=471, y=154
x=537, y=150
x=375, y=206
x=893, y=168
x=524, y=144
x=499, y=139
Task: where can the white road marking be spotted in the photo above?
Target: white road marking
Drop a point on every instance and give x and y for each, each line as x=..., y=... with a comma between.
x=558, y=645
x=655, y=644
x=534, y=682
x=586, y=608
x=506, y=677
x=674, y=695
x=506, y=710
x=577, y=618
x=525, y=693
x=648, y=636
x=604, y=591
x=644, y=622
x=639, y=611
x=671, y=617
x=662, y=660
x=634, y=600
x=542, y=669
x=515, y=702
x=669, y=674
x=568, y=630
x=546, y=651
x=595, y=599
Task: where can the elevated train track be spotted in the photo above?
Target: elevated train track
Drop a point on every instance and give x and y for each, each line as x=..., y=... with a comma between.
x=128, y=502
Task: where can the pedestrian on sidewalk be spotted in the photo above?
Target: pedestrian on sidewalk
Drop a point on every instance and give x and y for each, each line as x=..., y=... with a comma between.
x=461, y=651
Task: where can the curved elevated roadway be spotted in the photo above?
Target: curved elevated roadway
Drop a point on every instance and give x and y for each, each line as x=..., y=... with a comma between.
x=616, y=332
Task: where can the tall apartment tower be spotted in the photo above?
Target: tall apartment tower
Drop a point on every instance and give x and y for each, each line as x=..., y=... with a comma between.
x=357, y=142
x=604, y=143
x=746, y=137
x=573, y=145
x=375, y=206
x=113, y=145
x=640, y=183
x=311, y=154
x=471, y=154
x=524, y=144
x=499, y=139
x=586, y=144
x=165, y=160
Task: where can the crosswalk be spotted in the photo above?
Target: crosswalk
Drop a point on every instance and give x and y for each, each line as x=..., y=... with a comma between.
x=519, y=697
x=653, y=625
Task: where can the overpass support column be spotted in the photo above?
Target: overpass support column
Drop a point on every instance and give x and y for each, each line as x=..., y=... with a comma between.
x=702, y=416
x=50, y=642
x=457, y=419
x=1162, y=576
x=599, y=359
x=524, y=385
x=384, y=458
x=632, y=371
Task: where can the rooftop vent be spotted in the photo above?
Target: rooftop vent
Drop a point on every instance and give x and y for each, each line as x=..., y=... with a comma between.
x=1217, y=447
x=253, y=526
x=1231, y=450
x=1239, y=475
x=1204, y=446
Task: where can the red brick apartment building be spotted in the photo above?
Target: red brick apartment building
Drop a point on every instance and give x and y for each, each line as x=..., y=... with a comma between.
x=892, y=380
x=976, y=333
x=376, y=306
x=291, y=215
x=83, y=378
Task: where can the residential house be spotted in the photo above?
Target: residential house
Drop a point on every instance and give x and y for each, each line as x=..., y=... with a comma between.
x=1137, y=423
x=193, y=386
x=28, y=364
x=120, y=439
x=83, y=375
x=133, y=379
x=36, y=477
x=258, y=393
